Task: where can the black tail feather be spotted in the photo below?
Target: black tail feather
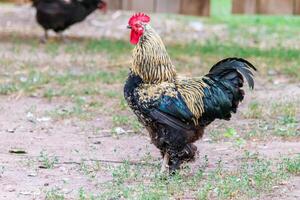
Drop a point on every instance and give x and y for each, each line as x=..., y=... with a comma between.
x=243, y=67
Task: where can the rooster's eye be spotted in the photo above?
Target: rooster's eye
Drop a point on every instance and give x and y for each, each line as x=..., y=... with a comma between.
x=138, y=27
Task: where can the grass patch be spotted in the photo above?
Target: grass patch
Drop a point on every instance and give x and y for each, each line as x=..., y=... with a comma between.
x=220, y=7
x=90, y=77
x=47, y=162
x=239, y=21
x=255, y=110
x=34, y=80
x=280, y=59
x=291, y=165
x=54, y=194
x=124, y=120
x=81, y=108
x=251, y=178
x=232, y=50
x=112, y=47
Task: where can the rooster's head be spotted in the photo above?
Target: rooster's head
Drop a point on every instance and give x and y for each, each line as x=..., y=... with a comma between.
x=137, y=25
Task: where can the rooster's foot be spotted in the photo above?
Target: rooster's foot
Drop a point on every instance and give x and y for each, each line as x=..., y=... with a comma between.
x=165, y=166
x=44, y=39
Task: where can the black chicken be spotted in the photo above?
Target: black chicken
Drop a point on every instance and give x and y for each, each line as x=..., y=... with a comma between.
x=175, y=110
x=58, y=15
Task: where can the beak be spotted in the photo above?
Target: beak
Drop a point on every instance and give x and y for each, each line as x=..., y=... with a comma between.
x=129, y=27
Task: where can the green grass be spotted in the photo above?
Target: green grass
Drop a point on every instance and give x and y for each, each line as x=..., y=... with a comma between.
x=264, y=120
x=252, y=177
x=47, y=162
x=238, y=21
x=113, y=47
x=34, y=80
x=125, y=120
x=285, y=61
x=211, y=47
x=273, y=119
x=255, y=110
x=291, y=165
x=100, y=75
x=54, y=194
x=220, y=7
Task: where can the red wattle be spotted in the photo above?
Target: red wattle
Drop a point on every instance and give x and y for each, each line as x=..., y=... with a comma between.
x=134, y=37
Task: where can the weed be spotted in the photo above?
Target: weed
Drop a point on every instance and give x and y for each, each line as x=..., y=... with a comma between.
x=54, y=194
x=287, y=108
x=111, y=94
x=7, y=88
x=216, y=135
x=291, y=165
x=252, y=177
x=123, y=104
x=47, y=161
x=82, y=194
x=254, y=110
x=119, y=120
x=230, y=133
x=122, y=120
x=52, y=48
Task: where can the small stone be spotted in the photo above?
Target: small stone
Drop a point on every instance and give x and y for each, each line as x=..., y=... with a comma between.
x=63, y=169
x=25, y=193
x=10, y=188
x=207, y=140
x=11, y=130
x=65, y=179
x=29, y=115
x=33, y=174
x=272, y=72
x=66, y=191
x=43, y=119
x=197, y=26
x=120, y=130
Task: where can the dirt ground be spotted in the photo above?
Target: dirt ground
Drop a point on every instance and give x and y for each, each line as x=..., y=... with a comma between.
x=24, y=126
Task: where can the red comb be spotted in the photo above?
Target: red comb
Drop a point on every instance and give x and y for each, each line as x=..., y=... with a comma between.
x=139, y=17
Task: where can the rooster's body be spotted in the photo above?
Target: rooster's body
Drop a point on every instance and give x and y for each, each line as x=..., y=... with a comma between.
x=176, y=110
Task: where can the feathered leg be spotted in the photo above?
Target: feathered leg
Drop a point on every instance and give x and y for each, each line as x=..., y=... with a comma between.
x=178, y=157
x=174, y=163
x=165, y=163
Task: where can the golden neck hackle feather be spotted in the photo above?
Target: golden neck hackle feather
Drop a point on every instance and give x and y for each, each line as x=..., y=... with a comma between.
x=152, y=63
x=151, y=60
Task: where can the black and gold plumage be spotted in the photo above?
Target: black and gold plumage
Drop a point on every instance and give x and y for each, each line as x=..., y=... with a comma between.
x=175, y=110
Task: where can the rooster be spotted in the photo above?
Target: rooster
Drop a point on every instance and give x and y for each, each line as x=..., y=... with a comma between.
x=58, y=15
x=174, y=110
